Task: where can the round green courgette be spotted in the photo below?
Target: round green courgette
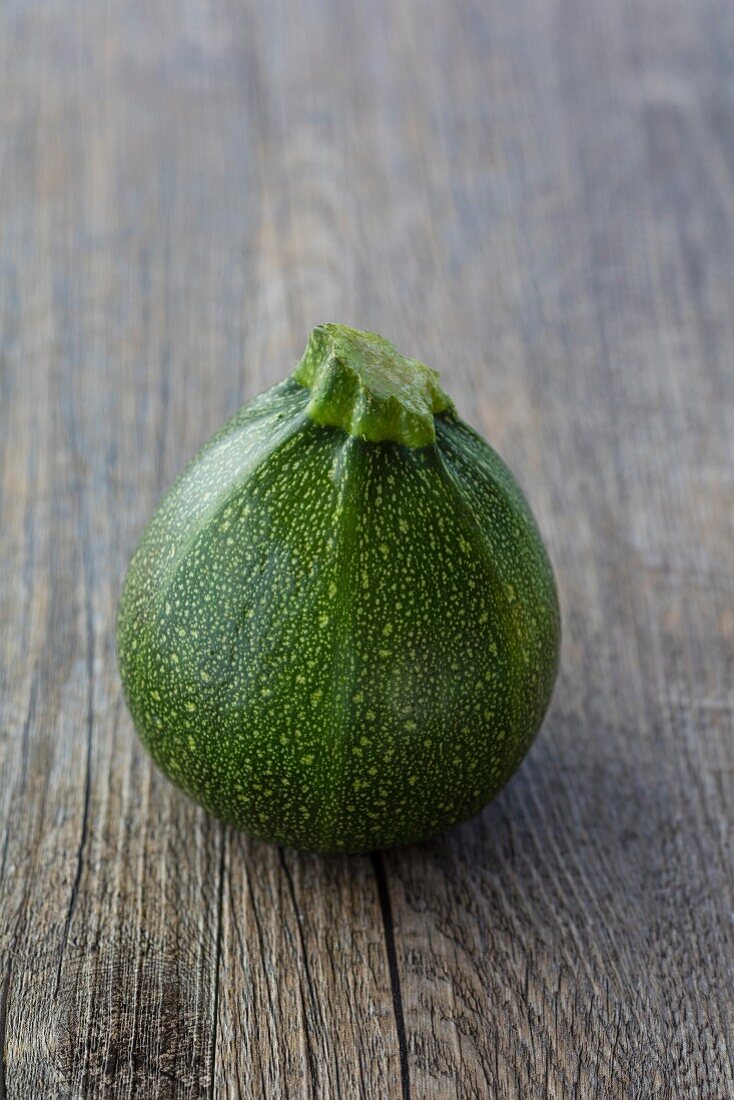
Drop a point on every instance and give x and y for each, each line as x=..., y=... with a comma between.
x=340, y=630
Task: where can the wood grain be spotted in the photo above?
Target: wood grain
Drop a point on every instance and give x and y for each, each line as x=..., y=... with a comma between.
x=536, y=197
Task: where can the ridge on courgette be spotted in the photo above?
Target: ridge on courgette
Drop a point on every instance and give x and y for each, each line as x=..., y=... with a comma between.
x=340, y=630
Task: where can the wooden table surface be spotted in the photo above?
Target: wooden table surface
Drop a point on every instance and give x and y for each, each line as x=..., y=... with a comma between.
x=537, y=198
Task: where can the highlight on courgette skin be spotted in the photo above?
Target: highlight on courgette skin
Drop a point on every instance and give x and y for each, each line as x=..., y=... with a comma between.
x=340, y=630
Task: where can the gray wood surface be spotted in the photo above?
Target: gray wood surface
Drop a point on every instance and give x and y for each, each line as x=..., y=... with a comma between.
x=536, y=197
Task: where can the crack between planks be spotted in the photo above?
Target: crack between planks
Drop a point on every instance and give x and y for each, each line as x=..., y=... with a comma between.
x=388, y=926
x=302, y=940
x=88, y=576
x=88, y=773
x=3, y=1027
x=261, y=945
x=4, y=856
x=25, y=736
x=218, y=962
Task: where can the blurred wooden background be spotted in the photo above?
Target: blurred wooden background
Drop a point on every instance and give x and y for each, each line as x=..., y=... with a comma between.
x=536, y=197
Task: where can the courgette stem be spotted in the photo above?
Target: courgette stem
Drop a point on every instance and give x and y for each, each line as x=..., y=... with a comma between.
x=361, y=383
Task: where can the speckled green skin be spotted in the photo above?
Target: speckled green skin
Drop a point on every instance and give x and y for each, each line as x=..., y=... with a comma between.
x=338, y=644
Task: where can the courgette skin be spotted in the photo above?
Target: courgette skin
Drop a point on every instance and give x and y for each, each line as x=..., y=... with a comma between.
x=334, y=643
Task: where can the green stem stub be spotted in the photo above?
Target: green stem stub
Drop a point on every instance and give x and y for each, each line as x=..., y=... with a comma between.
x=361, y=383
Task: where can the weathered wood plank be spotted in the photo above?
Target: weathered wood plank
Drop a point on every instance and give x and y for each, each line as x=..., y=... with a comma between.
x=537, y=198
